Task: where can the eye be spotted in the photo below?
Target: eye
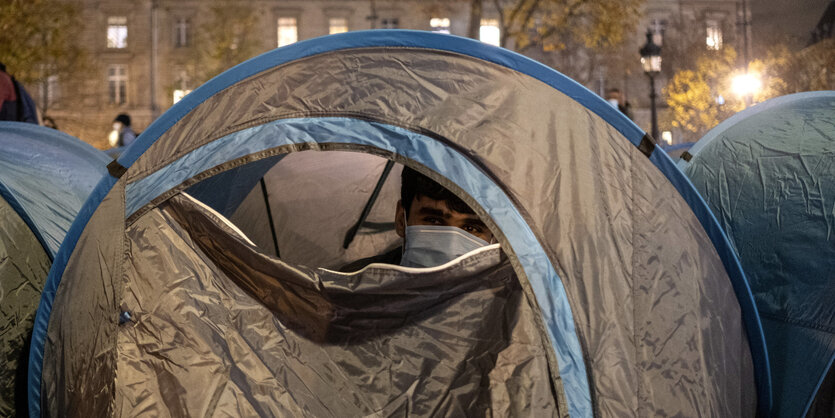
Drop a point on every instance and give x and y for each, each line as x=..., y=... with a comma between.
x=432, y=220
x=473, y=229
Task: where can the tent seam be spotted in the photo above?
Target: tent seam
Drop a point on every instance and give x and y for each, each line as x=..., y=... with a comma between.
x=798, y=322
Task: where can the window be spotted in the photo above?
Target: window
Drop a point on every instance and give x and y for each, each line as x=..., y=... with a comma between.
x=439, y=24
x=117, y=32
x=117, y=81
x=288, y=30
x=179, y=94
x=390, y=23
x=337, y=25
x=713, y=40
x=181, y=26
x=182, y=88
x=48, y=90
x=489, y=32
x=658, y=27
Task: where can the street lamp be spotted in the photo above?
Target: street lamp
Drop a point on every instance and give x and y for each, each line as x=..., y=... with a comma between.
x=745, y=85
x=651, y=62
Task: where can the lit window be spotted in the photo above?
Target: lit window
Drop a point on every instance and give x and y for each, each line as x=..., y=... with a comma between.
x=390, y=23
x=179, y=94
x=117, y=32
x=181, y=32
x=182, y=87
x=439, y=24
x=337, y=25
x=489, y=32
x=713, y=40
x=117, y=81
x=288, y=30
x=667, y=137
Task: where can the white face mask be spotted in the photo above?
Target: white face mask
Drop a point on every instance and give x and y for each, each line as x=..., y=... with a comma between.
x=613, y=102
x=433, y=245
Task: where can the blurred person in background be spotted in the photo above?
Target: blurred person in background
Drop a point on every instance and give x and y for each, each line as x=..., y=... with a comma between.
x=15, y=102
x=122, y=134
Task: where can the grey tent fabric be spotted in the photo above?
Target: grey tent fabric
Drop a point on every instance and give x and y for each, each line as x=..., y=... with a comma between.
x=82, y=385
x=461, y=322
x=332, y=187
x=23, y=268
x=654, y=312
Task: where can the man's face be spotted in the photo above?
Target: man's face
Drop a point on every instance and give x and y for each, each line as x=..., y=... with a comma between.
x=427, y=211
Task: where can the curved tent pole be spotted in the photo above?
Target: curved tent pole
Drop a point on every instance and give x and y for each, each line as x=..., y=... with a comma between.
x=352, y=232
x=423, y=40
x=269, y=215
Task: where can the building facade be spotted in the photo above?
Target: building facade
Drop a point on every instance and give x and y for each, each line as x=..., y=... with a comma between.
x=143, y=52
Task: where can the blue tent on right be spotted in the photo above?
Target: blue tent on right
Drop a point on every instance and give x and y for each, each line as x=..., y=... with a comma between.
x=768, y=174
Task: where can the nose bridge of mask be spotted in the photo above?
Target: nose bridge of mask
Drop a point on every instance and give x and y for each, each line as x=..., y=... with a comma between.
x=432, y=245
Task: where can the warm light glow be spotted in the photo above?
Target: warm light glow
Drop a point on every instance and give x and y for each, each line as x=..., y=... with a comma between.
x=113, y=138
x=651, y=64
x=667, y=137
x=746, y=84
x=713, y=40
x=439, y=24
x=117, y=32
x=288, y=31
x=489, y=32
x=179, y=94
x=337, y=25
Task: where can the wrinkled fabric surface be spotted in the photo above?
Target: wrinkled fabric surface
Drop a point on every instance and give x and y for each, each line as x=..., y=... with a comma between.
x=49, y=175
x=769, y=176
x=574, y=175
x=23, y=269
x=79, y=353
x=654, y=311
x=262, y=337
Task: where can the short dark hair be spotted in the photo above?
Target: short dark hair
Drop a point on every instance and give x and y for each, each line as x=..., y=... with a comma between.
x=124, y=118
x=414, y=185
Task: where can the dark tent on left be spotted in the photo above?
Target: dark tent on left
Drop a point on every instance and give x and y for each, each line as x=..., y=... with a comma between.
x=45, y=177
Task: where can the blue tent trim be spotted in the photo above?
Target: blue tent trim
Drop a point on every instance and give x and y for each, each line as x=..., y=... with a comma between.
x=792, y=385
x=826, y=370
x=433, y=154
x=426, y=40
x=237, y=183
x=750, y=315
x=383, y=38
x=51, y=288
x=676, y=147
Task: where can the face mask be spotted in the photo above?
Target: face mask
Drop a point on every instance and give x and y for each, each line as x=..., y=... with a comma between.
x=613, y=102
x=433, y=245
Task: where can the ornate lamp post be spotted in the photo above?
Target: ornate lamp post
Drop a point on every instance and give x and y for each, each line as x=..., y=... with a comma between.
x=651, y=62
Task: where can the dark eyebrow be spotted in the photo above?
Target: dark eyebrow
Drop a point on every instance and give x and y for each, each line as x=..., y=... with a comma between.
x=433, y=212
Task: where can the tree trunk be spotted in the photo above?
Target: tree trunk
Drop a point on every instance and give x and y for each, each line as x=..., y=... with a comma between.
x=475, y=18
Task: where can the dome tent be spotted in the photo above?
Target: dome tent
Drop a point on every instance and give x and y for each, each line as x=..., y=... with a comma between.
x=628, y=298
x=45, y=177
x=768, y=175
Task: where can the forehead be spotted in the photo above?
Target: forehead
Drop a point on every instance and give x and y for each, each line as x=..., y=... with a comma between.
x=426, y=205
